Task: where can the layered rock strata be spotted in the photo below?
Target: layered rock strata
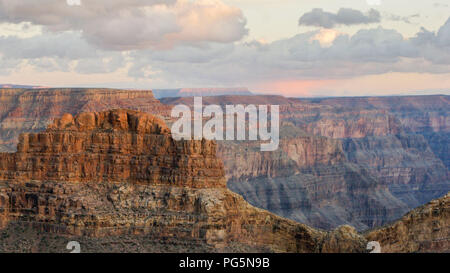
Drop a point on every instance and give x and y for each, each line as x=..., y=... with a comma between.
x=32, y=110
x=119, y=173
x=425, y=229
x=358, y=161
x=369, y=149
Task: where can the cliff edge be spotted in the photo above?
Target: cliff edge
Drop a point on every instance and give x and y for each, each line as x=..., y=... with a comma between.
x=118, y=176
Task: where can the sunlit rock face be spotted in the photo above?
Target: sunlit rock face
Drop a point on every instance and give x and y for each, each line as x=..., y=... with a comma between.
x=358, y=161
x=115, y=174
x=117, y=146
x=32, y=110
x=425, y=229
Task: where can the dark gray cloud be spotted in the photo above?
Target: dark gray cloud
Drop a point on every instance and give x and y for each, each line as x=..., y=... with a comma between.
x=345, y=16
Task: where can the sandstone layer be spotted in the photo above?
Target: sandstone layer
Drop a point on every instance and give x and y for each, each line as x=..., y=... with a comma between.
x=425, y=229
x=119, y=175
x=32, y=110
x=358, y=161
x=310, y=180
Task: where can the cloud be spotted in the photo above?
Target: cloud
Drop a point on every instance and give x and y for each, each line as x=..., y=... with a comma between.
x=196, y=48
x=440, y=5
x=302, y=57
x=434, y=47
x=58, y=52
x=8, y=65
x=405, y=19
x=443, y=35
x=133, y=24
x=326, y=37
x=345, y=16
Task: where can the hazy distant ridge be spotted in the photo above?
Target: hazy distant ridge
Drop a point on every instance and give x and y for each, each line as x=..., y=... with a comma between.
x=191, y=92
x=20, y=86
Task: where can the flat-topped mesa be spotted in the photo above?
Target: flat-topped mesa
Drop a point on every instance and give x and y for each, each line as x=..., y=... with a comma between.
x=113, y=146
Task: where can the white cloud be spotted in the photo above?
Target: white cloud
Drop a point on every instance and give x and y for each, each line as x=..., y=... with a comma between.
x=326, y=37
x=304, y=56
x=195, y=42
x=443, y=35
x=133, y=24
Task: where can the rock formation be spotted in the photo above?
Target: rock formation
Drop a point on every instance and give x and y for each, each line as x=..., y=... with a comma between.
x=310, y=180
x=358, y=161
x=114, y=146
x=119, y=175
x=364, y=162
x=32, y=110
x=425, y=229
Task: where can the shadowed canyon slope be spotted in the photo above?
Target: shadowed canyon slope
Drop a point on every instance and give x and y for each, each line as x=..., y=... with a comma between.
x=199, y=92
x=113, y=177
x=358, y=161
x=425, y=229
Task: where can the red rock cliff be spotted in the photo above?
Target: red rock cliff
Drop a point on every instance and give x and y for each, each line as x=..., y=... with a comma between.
x=31, y=110
x=117, y=146
x=425, y=229
x=120, y=173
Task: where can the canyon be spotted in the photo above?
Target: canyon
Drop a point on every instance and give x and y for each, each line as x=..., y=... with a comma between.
x=31, y=110
x=425, y=229
x=108, y=178
x=362, y=162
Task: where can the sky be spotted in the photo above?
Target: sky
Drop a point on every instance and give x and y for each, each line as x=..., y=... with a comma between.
x=305, y=48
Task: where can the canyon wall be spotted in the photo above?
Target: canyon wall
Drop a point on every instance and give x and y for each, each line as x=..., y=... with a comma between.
x=31, y=110
x=118, y=175
x=403, y=163
x=310, y=180
x=358, y=161
x=425, y=229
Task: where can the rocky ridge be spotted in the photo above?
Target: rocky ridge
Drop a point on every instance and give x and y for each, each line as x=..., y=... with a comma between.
x=425, y=229
x=358, y=161
x=118, y=175
x=32, y=110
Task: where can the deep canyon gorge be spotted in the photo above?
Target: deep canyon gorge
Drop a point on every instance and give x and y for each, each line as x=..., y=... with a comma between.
x=361, y=162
